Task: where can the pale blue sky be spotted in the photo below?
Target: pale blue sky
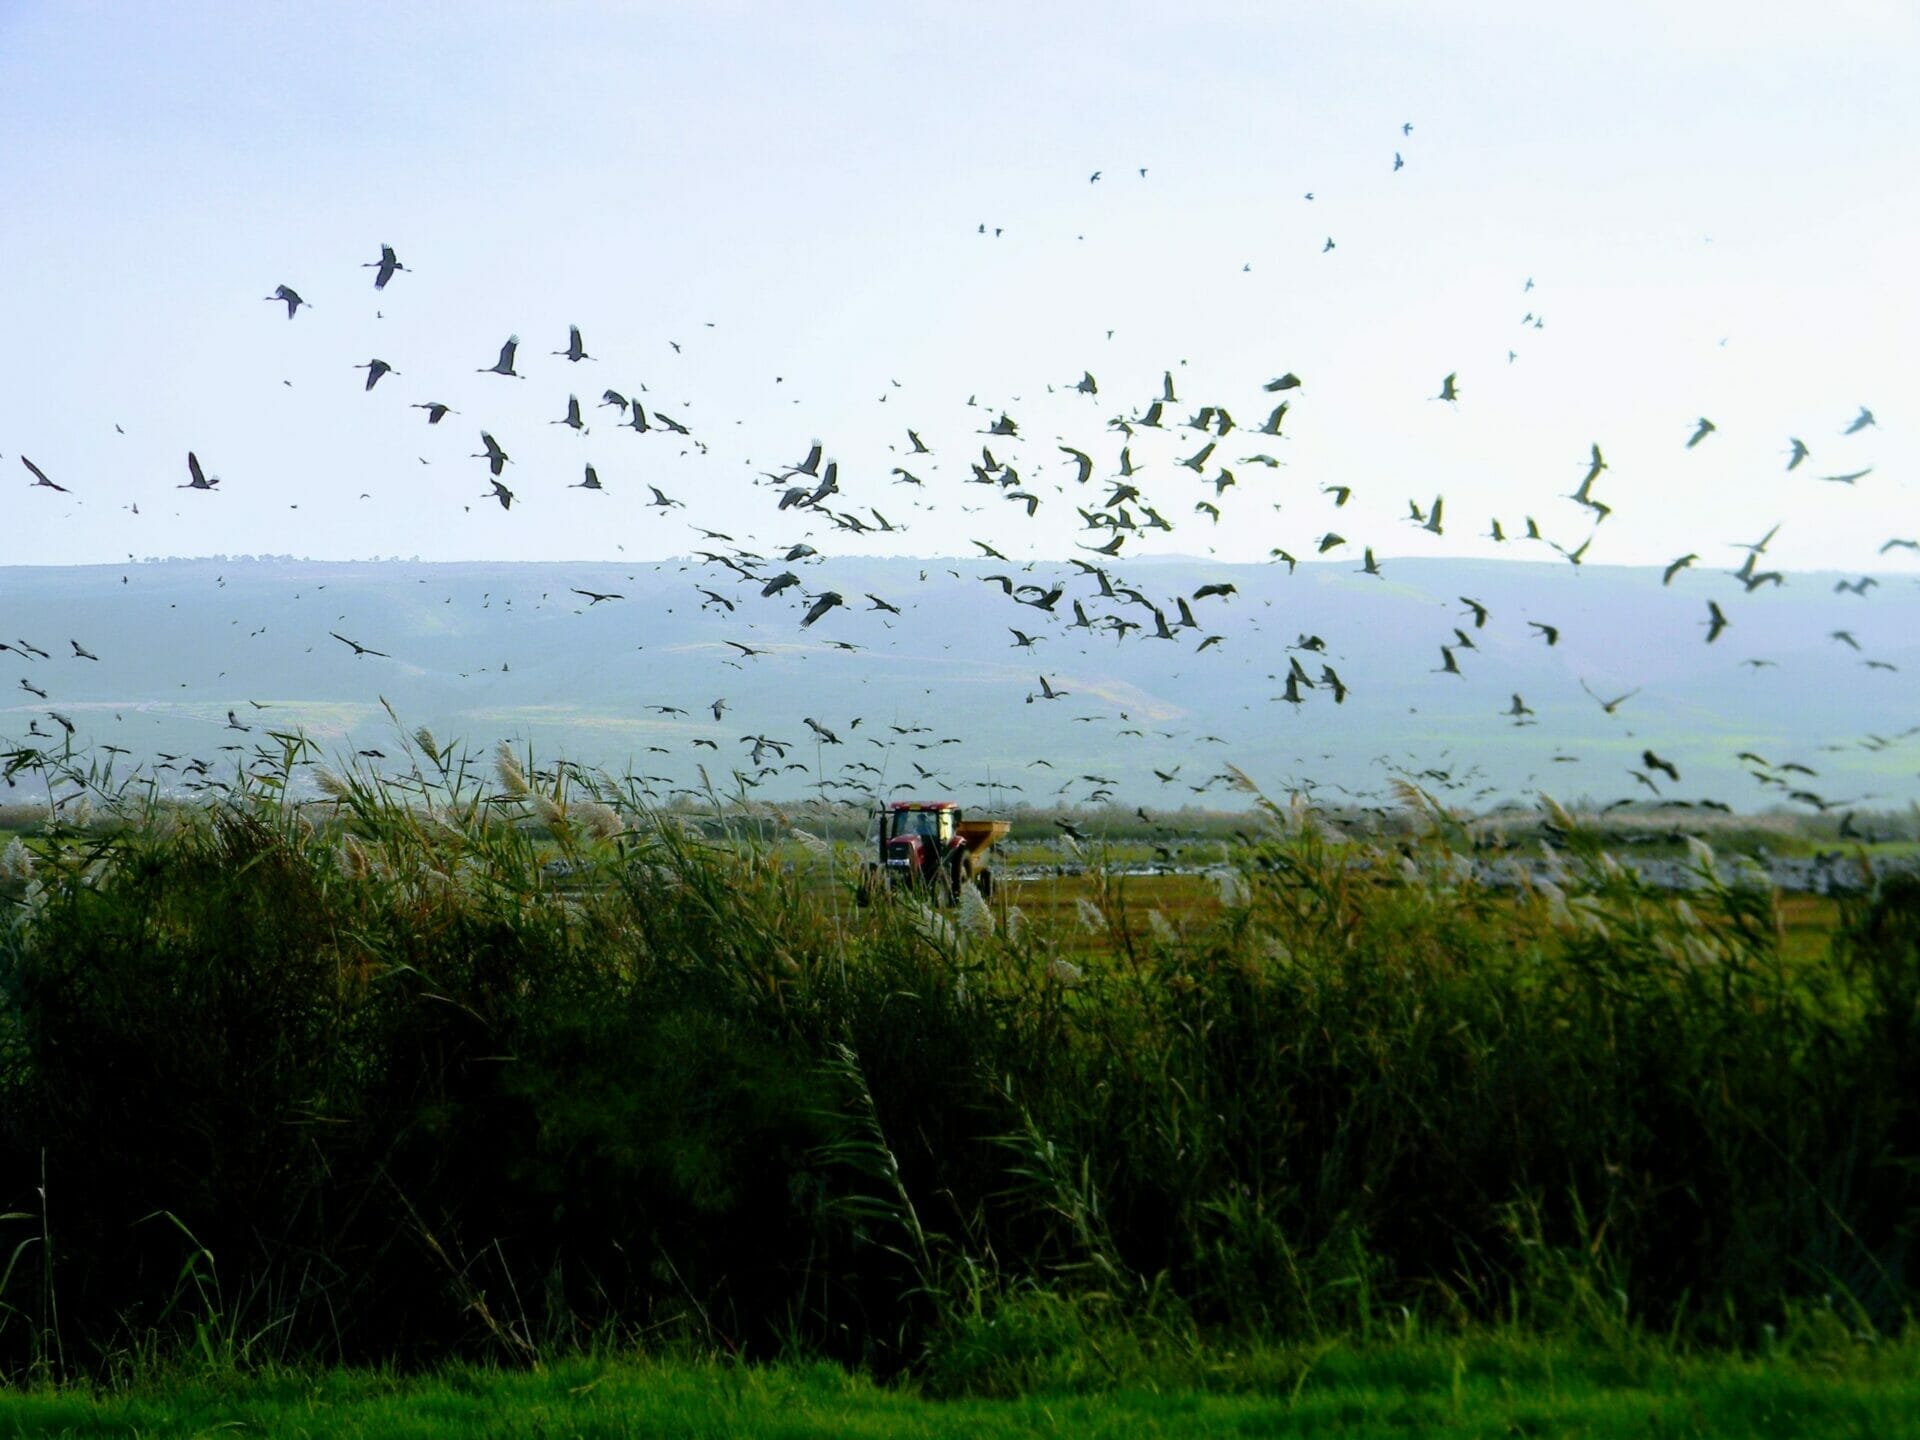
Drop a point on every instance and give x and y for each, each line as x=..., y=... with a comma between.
x=810, y=180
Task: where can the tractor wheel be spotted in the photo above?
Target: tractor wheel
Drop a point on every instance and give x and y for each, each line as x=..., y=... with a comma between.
x=983, y=882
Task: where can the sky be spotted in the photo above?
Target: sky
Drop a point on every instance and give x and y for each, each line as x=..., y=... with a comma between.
x=766, y=219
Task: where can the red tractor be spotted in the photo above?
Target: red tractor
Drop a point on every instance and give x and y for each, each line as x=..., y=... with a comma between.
x=927, y=845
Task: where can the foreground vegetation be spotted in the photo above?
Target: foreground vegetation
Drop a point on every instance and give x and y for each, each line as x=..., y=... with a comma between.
x=1488, y=1386
x=364, y=1083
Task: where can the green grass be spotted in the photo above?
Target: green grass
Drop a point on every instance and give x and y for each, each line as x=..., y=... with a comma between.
x=1468, y=1388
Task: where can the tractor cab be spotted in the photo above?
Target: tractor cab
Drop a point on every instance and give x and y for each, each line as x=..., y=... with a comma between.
x=916, y=835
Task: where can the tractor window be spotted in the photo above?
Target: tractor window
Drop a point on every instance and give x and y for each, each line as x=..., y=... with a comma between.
x=924, y=823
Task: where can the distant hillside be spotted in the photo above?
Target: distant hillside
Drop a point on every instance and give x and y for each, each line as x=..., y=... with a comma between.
x=939, y=698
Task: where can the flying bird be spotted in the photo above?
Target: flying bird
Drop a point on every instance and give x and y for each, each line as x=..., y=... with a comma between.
x=821, y=606
x=384, y=268
x=496, y=458
x=375, y=369
x=40, y=478
x=1704, y=428
x=198, y=479
x=504, y=365
x=575, y=350
x=290, y=296
x=358, y=648
x=1860, y=422
x=1715, y=622
x=1609, y=706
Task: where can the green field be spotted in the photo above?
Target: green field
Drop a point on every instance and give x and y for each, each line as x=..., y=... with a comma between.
x=295, y=1097
x=1467, y=1388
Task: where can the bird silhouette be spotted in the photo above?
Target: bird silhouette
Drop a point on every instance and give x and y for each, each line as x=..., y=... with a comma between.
x=504, y=365
x=358, y=648
x=495, y=457
x=1702, y=429
x=289, y=296
x=385, y=268
x=40, y=478
x=575, y=350
x=1609, y=706
x=821, y=606
x=197, y=478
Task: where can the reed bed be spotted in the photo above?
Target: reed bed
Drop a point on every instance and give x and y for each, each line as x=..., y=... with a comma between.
x=373, y=1079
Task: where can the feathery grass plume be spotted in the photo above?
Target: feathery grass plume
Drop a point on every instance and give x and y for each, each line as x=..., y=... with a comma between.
x=1558, y=915
x=812, y=844
x=1065, y=973
x=930, y=924
x=512, y=778
x=1556, y=812
x=1589, y=916
x=1090, y=915
x=975, y=918
x=597, y=819
x=16, y=861
x=1704, y=863
x=1016, y=922
x=1230, y=885
x=331, y=785
x=551, y=812
x=423, y=737
x=1238, y=779
x=1161, y=927
x=353, y=858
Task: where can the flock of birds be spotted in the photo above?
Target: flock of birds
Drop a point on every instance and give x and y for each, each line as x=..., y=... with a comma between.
x=1166, y=464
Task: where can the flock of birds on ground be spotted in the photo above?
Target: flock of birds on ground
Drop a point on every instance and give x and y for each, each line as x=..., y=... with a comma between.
x=1169, y=463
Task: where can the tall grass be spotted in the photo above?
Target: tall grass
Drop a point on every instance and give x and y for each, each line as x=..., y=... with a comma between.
x=372, y=1078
